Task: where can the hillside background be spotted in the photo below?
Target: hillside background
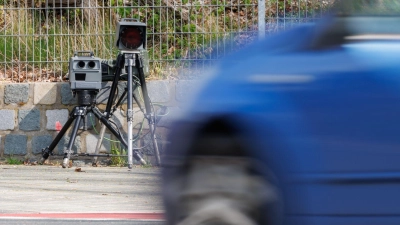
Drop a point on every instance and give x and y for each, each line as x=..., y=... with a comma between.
x=37, y=37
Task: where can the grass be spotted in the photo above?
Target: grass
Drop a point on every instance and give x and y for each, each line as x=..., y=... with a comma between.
x=148, y=165
x=42, y=40
x=11, y=160
x=31, y=40
x=116, y=149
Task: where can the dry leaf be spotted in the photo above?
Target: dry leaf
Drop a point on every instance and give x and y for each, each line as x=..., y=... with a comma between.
x=79, y=170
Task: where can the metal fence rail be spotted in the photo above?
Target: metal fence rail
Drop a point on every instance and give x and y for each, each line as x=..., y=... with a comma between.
x=37, y=37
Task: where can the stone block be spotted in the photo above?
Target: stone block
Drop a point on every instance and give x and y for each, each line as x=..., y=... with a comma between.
x=167, y=116
x=40, y=142
x=78, y=163
x=66, y=95
x=91, y=121
x=159, y=91
x=138, y=117
x=29, y=120
x=91, y=143
x=15, y=144
x=45, y=93
x=63, y=144
x=149, y=146
x=119, y=117
x=185, y=89
x=7, y=119
x=16, y=93
x=53, y=116
x=104, y=93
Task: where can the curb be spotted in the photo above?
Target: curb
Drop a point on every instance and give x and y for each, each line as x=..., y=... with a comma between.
x=86, y=216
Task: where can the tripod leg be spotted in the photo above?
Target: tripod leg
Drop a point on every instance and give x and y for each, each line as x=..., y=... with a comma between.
x=129, y=113
x=105, y=121
x=69, y=151
x=46, y=152
x=119, y=65
x=149, y=111
x=98, y=146
x=154, y=139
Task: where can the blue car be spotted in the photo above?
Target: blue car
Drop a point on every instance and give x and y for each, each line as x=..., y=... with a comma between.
x=301, y=128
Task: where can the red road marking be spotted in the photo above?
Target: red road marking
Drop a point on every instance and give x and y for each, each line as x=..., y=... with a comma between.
x=99, y=216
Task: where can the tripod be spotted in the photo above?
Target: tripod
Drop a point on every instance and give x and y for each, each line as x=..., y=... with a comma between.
x=87, y=103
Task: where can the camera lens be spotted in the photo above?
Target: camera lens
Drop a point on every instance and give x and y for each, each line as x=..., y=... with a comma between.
x=131, y=37
x=81, y=64
x=91, y=64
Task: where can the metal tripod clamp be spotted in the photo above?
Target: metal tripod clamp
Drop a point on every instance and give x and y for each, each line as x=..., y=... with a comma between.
x=70, y=152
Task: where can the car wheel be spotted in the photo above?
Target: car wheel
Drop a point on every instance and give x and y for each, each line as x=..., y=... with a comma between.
x=221, y=185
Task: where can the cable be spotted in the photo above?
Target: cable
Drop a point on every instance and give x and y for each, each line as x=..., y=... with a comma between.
x=136, y=137
x=139, y=135
x=91, y=120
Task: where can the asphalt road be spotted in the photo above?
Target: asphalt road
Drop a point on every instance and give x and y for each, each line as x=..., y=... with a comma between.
x=101, y=195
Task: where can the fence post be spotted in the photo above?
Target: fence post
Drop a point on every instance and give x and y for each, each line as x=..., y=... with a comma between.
x=261, y=19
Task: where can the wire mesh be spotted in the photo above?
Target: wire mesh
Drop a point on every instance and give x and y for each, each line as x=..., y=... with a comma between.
x=38, y=37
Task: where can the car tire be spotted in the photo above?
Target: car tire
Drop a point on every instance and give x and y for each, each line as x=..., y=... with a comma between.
x=221, y=185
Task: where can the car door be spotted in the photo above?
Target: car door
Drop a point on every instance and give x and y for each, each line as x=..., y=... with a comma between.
x=349, y=151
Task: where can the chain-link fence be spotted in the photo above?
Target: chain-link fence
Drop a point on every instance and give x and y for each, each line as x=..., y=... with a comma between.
x=37, y=37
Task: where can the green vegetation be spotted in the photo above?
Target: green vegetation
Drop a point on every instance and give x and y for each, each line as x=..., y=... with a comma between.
x=116, y=149
x=297, y=8
x=36, y=40
x=148, y=165
x=11, y=160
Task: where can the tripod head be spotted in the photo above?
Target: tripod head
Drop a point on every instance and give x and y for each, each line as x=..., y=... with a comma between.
x=86, y=97
x=108, y=66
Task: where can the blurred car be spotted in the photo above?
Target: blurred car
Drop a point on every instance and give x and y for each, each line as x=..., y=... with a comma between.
x=301, y=128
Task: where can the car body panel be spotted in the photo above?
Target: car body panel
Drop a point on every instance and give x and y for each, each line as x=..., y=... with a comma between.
x=326, y=121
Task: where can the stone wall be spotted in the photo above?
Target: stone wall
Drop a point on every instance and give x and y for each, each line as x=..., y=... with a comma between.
x=29, y=113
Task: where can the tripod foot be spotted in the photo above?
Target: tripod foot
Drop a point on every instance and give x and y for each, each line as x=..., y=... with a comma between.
x=65, y=163
x=46, y=152
x=143, y=162
x=139, y=158
x=41, y=161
